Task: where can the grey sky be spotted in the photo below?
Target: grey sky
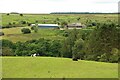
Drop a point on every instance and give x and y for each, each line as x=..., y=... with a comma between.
x=47, y=6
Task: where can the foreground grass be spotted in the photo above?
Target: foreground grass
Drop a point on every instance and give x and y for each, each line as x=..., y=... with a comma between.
x=47, y=67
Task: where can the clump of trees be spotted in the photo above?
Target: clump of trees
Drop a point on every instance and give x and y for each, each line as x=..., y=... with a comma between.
x=102, y=43
x=15, y=24
x=25, y=30
x=41, y=47
x=78, y=50
x=8, y=48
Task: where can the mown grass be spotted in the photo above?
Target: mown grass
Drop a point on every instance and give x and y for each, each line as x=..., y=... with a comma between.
x=48, y=67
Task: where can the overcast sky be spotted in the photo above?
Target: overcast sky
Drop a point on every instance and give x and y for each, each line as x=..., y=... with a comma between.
x=47, y=6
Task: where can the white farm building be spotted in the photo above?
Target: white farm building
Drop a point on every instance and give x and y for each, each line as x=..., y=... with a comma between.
x=46, y=25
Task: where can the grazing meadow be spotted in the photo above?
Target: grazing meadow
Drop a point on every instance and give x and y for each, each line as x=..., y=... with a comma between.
x=90, y=52
x=51, y=67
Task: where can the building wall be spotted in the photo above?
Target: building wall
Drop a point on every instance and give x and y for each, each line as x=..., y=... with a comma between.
x=47, y=26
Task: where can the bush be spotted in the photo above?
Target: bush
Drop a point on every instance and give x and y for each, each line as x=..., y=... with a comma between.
x=64, y=23
x=113, y=59
x=78, y=18
x=7, y=43
x=6, y=51
x=8, y=14
x=75, y=59
x=94, y=24
x=66, y=34
x=25, y=30
x=21, y=14
x=23, y=22
x=36, y=21
x=32, y=28
x=8, y=26
x=1, y=33
x=35, y=28
x=29, y=24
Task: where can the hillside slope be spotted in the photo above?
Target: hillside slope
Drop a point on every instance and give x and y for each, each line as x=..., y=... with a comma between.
x=47, y=67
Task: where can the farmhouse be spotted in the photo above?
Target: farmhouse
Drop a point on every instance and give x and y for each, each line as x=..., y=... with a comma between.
x=46, y=25
x=75, y=25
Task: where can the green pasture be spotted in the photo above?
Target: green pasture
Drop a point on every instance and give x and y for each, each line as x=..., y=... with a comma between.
x=51, y=18
x=15, y=34
x=50, y=67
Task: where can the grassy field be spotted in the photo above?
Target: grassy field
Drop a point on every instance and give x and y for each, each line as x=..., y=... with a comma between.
x=47, y=67
x=15, y=34
x=51, y=18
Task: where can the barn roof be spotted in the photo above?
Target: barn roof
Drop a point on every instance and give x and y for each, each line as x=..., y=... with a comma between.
x=45, y=24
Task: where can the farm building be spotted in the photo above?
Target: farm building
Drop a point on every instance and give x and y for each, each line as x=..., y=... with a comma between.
x=75, y=25
x=46, y=25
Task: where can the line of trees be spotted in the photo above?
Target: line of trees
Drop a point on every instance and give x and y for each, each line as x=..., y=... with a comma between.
x=80, y=13
x=41, y=47
x=100, y=44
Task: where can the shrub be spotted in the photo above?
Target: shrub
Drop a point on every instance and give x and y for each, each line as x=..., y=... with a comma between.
x=94, y=24
x=36, y=21
x=23, y=22
x=8, y=14
x=29, y=24
x=75, y=59
x=78, y=18
x=25, y=30
x=35, y=28
x=14, y=22
x=8, y=26
x=64, y=23
x=7, y=43
x=113, y=59
x=6, y=51
x=57, y=19
x=21, y=14
x=32, y=28
x=66, y=34
x=1, y=33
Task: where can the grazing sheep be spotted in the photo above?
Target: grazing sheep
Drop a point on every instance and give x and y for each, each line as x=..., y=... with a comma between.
x=33, y=55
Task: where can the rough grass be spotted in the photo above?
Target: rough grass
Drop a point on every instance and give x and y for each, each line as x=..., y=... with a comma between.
x=47, y=67
x=50, y=18
x=15, y=34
